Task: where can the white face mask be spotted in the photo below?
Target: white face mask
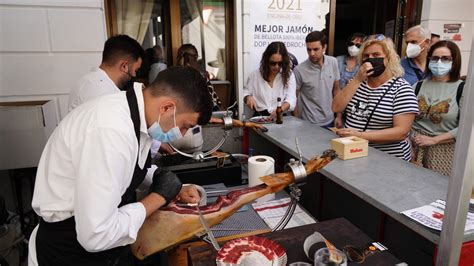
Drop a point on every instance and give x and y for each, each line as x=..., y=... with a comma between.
x=413, y=50
x=353, y=50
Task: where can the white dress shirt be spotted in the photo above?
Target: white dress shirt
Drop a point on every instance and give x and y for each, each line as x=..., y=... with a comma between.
x=86, y=166
x=94, y=84
x=266, y=96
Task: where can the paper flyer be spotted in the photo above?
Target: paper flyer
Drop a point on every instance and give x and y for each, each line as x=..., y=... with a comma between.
x=432, y=215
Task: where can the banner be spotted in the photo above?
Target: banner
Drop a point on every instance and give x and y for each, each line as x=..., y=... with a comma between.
x=287, y=21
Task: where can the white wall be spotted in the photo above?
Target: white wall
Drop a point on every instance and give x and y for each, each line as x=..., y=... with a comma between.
x=46, y=46
x=436, y=13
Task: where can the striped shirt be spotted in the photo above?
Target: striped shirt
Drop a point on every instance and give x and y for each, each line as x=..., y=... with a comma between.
x=399, y=99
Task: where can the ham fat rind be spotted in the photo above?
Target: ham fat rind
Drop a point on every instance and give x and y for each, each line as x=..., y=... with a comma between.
x=173, y=224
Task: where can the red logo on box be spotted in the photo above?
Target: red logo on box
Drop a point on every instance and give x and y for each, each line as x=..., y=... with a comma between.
x=355, y=150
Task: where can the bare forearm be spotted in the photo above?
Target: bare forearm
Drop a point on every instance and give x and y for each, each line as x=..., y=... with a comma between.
x=384, y=135
x=342, y=98
x=285, y=106
x=444, y=138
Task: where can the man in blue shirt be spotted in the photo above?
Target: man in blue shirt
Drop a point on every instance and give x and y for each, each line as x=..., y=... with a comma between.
x=418, y=44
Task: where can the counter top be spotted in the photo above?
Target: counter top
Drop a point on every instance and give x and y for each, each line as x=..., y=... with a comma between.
x=390, y=184
x=339, y=232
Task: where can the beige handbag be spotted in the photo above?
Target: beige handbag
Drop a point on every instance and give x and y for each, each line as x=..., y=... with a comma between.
x=438, y=158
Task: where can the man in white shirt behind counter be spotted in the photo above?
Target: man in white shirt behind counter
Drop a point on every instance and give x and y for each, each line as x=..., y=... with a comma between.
x=121, y=58
x=95, y=160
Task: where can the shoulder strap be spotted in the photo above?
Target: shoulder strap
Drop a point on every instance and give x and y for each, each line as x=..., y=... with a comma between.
x=138, y=174
x=134, y=114
x=377, y=104
x=418, y=87
x=459, y=92
x=458, y=96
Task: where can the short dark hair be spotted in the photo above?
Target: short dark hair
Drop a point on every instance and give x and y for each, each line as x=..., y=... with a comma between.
x=357, y=35
x=454, y=74
x=121, y=47
x=316, y=36
x=189, y=86
x=276, y=48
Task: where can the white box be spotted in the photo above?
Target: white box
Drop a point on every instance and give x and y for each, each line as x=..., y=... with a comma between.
x=350, y=147
x=24, y=131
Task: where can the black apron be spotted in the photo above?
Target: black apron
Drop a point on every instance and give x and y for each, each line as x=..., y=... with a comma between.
x=56, y=243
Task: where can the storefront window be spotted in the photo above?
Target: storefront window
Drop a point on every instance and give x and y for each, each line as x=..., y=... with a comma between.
x=203, y=25
x=167, y=24
x=143, y=21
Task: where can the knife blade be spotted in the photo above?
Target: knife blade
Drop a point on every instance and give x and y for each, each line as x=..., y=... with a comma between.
x=208, y=230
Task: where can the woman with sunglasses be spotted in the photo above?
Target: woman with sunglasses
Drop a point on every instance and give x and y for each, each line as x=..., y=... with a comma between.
x=348, y=64
x=435, y=128
x=380, y=106
x=274, y=79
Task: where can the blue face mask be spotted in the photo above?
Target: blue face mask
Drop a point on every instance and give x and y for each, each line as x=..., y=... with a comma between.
x=440, y=69
x=157, y=133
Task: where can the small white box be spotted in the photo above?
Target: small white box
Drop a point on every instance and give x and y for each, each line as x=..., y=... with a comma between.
x=350, y=147
x=24, y=131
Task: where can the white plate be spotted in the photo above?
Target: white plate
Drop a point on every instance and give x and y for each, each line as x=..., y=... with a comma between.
x=262, y=119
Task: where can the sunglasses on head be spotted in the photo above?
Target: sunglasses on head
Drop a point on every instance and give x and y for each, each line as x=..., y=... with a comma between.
x=444, y=59
x=274, y=63
x=377, y=37
x=356, y=44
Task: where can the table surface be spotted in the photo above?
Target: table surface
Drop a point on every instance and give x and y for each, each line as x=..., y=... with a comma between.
x=390, y=184
x=339, y=232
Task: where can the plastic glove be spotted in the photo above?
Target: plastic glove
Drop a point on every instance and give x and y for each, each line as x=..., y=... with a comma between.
x=167, y=184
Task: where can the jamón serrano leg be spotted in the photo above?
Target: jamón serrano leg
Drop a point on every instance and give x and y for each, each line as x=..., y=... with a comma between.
x=174, y=224
x=238, y=123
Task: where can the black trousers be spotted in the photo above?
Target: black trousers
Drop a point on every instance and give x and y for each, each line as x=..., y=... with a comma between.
x=56, y=244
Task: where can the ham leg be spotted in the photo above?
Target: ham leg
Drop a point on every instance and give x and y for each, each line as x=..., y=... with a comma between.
x=238, y=123
x=174, y=224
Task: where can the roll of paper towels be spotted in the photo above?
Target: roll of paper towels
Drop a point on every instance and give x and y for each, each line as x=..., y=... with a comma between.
x=258, y=166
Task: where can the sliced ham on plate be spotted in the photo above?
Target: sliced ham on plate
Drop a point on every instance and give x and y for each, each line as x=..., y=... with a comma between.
x=251, y=250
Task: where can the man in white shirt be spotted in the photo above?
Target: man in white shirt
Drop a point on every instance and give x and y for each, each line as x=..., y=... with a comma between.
x=121, y=58
x=98, y=156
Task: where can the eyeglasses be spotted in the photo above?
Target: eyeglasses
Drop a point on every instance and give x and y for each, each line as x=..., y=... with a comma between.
x=356, y=44
x=444, y=59
x=274, y=63
x=377, y=37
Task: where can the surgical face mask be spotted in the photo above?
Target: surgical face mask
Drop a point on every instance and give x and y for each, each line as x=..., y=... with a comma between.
x=157, y=133
x=378, y=67
x=413, y=50
x=353, y=50
x=440, y=69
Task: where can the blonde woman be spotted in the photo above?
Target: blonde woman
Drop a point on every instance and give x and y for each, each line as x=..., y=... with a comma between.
x=380, y=105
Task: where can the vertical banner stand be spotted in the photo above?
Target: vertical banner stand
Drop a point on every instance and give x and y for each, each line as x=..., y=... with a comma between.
x=460, y=181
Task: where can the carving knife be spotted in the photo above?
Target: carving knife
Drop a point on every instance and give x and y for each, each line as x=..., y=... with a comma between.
x=208, y=230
